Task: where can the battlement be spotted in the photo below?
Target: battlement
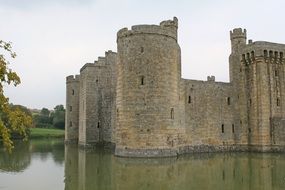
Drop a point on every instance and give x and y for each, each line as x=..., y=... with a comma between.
x=87, y=65
x=271, y=52
x=170, y=23
x=238, y=33
x=166, y=28
x=211, y=78
x=100, y=62
x=72, y=78
x=110, y=52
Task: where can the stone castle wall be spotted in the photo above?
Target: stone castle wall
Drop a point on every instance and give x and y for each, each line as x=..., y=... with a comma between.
x=72, y=109
x=209, y=113
x=136, y=99
x=148, y=119
x=97, y=99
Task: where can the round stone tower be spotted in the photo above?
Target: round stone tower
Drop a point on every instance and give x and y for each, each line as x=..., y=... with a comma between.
x=149, y=73
x=72, y=109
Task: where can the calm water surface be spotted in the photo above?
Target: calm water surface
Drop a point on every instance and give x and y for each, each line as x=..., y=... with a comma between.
x=48, y=165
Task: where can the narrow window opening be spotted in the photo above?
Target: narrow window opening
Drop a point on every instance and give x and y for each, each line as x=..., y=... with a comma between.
x=223, y=129
x=97, y=80
x=142, y=49
x=172, y=113
x=252, y=55
x=249, y=130
x=265, y=53
x=72, y=92
x=276, y=72
x=250, y=101
x=233, y=128
x=98, y=125
x=229, y=100
x=278, y=102
x=70, y=124
x=270, y=54
x=70, y=108
x=189, y=99
x=275, y=55
x=281, y=57
x=142, y=80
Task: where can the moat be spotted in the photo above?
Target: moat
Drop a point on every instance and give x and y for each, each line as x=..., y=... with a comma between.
x=50, y=164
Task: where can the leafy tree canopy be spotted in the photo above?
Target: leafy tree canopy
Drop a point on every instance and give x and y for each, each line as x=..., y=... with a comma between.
x=45, y=112
x=11, y=119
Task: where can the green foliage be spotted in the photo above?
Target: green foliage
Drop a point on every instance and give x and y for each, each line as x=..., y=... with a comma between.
x=42, y=121
x=45, y=112
x=12, y=119
x=50, y=119
x=59, y=117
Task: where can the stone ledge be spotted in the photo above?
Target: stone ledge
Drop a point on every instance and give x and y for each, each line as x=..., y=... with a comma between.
x=146, y=153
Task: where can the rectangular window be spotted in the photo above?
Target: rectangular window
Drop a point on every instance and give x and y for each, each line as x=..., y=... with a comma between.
x=70, y=108
x=223, y=129
x=278, y=102
x=189, y=99
x=142, y=80
x=276, y=73
x=233, y=128
x=229, y=101
x=172, y=113
x=72, y=92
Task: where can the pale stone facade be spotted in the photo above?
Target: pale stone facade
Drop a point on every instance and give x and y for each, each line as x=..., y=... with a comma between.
x=137, y=101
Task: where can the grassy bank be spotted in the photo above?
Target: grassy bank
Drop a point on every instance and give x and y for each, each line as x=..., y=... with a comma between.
x=37, y=133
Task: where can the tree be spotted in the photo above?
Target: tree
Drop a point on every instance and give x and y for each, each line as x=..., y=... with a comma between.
x=58, y=120
x=11, y=120
x=43, y=119
x=45, y=112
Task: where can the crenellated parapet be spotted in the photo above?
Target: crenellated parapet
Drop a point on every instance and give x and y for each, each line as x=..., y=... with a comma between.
x=166, y=28
x=259, y=51
x=238, y=33
x=101, y=60
x=72, y=78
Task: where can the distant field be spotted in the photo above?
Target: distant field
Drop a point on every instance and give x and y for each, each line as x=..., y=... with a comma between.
x=46, y=133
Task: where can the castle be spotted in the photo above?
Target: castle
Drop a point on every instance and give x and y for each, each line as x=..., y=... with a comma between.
x=136, y=100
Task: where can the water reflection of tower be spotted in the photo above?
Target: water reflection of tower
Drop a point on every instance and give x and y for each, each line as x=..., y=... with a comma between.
x=71, y=168
x=87, y=170
x=94, y=170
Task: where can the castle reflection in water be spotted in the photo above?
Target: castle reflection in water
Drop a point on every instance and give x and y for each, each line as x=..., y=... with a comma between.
x=85, y=170
x=100, y=169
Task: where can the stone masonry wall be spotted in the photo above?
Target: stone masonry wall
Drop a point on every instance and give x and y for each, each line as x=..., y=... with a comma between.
x=97, y=96
x=148, y=119
x=72, y=109
x=209, y=113
x=89, y=98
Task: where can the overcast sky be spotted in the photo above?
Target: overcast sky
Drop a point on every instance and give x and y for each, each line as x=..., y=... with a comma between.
x=55, y=38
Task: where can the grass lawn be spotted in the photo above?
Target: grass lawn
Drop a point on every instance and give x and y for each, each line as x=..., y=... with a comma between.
x=46, y=133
